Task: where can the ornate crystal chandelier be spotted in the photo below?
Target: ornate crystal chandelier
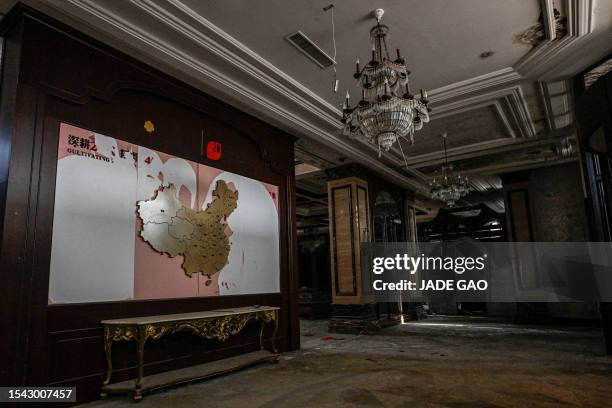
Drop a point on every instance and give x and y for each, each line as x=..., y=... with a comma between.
x=387, y=110
x=449, y=187
x=564, y=148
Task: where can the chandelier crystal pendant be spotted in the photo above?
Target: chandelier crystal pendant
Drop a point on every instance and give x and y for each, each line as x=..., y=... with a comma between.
x=449, y=187
x=387, y=110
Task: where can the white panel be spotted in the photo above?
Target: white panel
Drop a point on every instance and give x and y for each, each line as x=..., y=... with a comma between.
x=253, y=265
x=92, y=255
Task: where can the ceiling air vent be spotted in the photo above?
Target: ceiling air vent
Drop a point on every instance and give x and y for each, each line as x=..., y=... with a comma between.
x=310, y=49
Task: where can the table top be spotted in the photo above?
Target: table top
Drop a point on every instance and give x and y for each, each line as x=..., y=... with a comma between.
x=189, y=316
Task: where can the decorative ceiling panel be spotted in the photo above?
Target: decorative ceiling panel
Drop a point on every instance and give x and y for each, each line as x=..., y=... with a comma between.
x=466, y=128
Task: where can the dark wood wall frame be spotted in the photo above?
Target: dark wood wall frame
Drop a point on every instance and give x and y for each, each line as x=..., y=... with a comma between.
x=52, y=74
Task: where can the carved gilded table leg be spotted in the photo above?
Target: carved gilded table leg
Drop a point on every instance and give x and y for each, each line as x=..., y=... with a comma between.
x=108, y=344
x=142, y=339
x=275, y=331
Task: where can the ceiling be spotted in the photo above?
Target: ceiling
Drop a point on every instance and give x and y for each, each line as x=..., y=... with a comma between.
x=440, y=39
x=501, y=112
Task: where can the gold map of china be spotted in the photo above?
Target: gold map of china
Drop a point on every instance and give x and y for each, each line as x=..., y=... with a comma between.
x=199, y=236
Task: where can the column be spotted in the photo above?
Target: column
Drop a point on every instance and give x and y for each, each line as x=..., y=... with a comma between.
x=349, y=225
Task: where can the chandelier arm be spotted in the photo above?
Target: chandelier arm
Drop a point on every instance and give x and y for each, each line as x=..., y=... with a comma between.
x=359, y=75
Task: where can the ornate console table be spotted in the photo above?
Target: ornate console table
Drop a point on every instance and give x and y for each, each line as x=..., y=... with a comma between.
x=213, y=324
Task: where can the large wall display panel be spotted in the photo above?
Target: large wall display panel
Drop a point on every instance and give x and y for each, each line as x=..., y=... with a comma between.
x=134, y=223
x=114, y=207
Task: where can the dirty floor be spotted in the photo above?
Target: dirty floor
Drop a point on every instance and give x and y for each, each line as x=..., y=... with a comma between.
x=437, y=362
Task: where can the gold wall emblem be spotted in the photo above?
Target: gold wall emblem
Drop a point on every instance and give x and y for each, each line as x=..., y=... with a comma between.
x=149, y=126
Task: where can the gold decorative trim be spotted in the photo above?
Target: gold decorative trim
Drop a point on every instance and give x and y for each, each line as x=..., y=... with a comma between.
x=122, y=333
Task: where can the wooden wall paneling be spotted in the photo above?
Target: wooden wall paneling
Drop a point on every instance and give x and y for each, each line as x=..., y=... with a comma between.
x=11, y=227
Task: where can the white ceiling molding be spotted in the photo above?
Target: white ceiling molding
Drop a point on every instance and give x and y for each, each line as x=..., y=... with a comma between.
x=504, y=119
x=482, y=83
x=545, y=58
x=512, y=95
x=560, y=97
x=484, y=184
x=545, y=100
x=468, y=104
x=518, y=106
x=548, y=15
x=518, y=166
x=580, y=17
x=557, y=99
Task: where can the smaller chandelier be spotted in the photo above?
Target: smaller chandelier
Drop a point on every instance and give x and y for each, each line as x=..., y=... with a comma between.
x=449, y=187
x=564, y=148
x=387, y=110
